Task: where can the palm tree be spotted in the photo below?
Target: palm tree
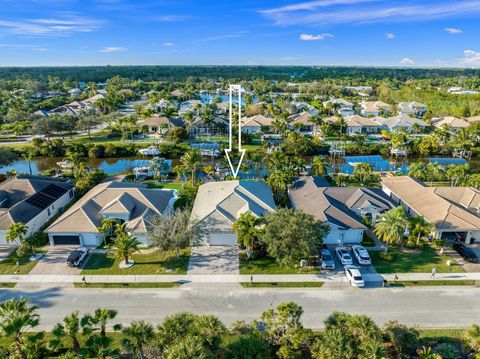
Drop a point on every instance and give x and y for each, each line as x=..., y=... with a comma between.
x=123, y=246
x=29, y=155
x=419, y=228
x=209, y=170
x=319, y=167
x=107, y=227
x=170, y=112
x=207, y=117
x=189, y=118
x=472, y=337
x=456, y=174
x=191, y=161
x=16, y=231
x=17, y=318
x=417, y=170
x=426, y=353
x=462, y=139
x=372, y=349
x=391, y=226
x=70, y=328
x=75, y=158
x=136, y=336
x=433, y=171
x=247, y=229
x=97, y=323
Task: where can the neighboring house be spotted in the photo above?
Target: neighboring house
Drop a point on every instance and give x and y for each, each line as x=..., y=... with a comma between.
x=342, y=208
x=303, y=123
x=257, y=123
x=73, y=108
x=358, y=124
x=375, y=108
x=177, y=93
x=343, y=108
x=190, y=105
x=455, y=211
x=412, y=108
x=305, y=107
x=199, y=127
x=400, y=122
x=461, y=91
x=130, y=203
x=220, y=204
x=162, y=124
x=40, y=113
x=95, y=98
x=451, y=122
x=32, y=200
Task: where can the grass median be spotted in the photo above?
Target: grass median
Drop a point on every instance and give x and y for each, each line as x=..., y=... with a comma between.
x=282, y=284
x=128, y=285
x=434, y=282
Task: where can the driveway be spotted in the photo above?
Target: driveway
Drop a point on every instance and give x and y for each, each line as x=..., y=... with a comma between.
x=55, y=261
x=214, y=260
x=5, y=252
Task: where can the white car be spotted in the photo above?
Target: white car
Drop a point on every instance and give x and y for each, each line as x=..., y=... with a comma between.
x=343, y=255
x=354, y=276
x=362, y=255
x=77, y=257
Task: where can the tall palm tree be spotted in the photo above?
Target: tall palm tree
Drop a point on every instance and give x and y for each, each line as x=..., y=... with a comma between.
x=75, y=158
x=208, y=118
x=107, y=227
x=391, y=226
x=417, y=170
x=69, y=328
x=319, y=167
x=17, y=318
x=434, y=172
x=191, y=161
x=136, y=336
x=29, y=155
x=247, y=229
x=472, y=337
x=456, y=174
x=189, y=118
x=16, y=231
x=419, y=227
x=462, y=139
x=123, y=246
x=426, y=353
x=97, y=323
x=373, y=349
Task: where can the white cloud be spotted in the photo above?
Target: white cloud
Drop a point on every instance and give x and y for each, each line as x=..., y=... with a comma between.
x=168, y=44
x=310, y=37
x=406, y=61
x=112, y=49
x=226, y=36
x=390, y=35
x=329, y=12
x=453, y=30
x=471, y=57
x=171, y=18
x=65, y=24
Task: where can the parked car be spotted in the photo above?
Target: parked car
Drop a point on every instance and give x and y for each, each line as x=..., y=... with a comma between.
x=467, y=253
x=77, y=257
x=354, y=276
x=343, y=255
x=326, y=259
x=362, y=255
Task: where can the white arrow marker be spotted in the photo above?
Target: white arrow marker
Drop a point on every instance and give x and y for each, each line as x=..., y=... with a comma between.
x=232, y=89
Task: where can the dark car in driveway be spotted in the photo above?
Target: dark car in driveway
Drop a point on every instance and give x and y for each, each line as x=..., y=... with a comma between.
x=77, y=257
x=467, y=253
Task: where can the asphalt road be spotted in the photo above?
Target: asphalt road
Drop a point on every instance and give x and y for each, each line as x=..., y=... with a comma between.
x=425, y=307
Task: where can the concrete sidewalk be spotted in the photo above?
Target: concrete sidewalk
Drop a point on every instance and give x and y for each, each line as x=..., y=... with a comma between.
x=226, y=278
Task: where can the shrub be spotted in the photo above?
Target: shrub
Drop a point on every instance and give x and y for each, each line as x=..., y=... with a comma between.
x=411, y=245
x=447, y=351
x=387, y=257
x=367, y=241
x=438, y=242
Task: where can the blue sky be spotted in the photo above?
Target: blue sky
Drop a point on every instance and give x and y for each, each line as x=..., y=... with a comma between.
x=434, y=33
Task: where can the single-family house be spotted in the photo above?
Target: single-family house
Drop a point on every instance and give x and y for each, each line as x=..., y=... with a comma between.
x=303, y=123
x=301, y=106
x=455, y=211
x=400, y=122
x=199, y=127
x=412, y=109
x=220, y=204
x=130, y=203
x=342, y=208
x=451, y=122
x=162, y=124
x=178, y=93
x=31, y=200
x=375, y=108
x=190, y=105
x=357, y=124
x=93, y=99
x=257, y=123
x=339, y=106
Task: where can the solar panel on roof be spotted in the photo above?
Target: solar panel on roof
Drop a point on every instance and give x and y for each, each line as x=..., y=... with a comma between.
x=40, y=200
x=53, y=191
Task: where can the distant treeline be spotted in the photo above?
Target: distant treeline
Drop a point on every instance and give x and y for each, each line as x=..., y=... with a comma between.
x=297, y=73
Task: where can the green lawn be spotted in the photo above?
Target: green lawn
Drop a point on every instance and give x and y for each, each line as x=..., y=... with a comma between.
x=9, y=264
x=7, y=285
x=128, y=285
x=169, y=185
x=427, y=283
x=282, y=284
x=158, y=262
x=269, y=266
x=422, y=262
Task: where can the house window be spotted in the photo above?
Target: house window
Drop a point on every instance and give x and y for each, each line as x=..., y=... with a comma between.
x=70, y=193
x=48, y=211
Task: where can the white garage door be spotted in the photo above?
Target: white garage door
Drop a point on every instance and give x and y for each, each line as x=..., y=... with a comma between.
x=223, y=239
